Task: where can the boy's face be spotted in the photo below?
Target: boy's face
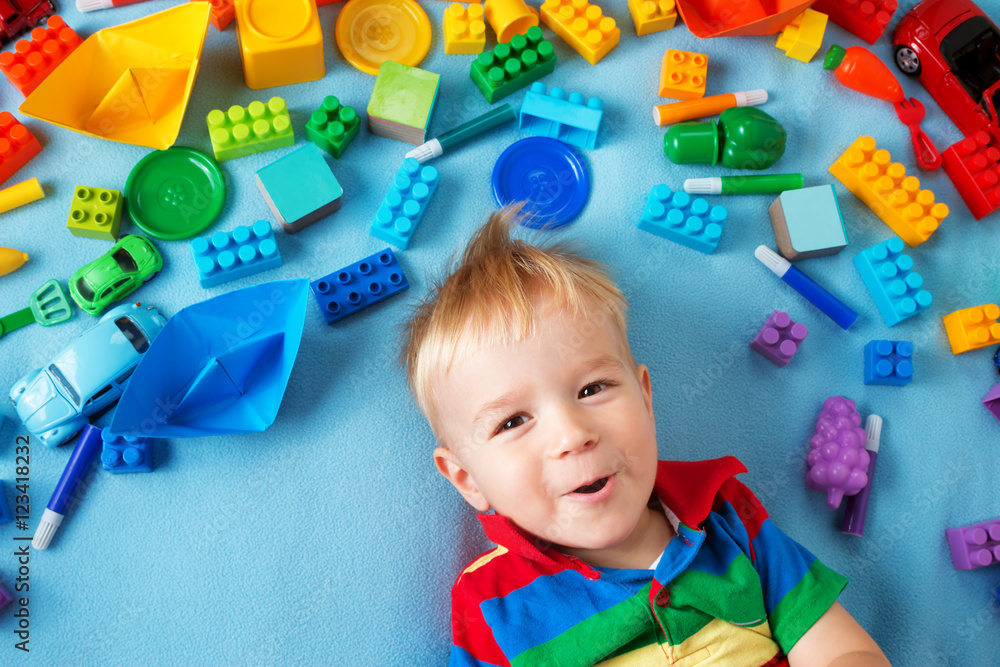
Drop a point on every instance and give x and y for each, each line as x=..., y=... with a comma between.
x=555, y=432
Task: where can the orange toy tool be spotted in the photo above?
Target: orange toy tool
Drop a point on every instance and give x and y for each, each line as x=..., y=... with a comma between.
x=859, y=69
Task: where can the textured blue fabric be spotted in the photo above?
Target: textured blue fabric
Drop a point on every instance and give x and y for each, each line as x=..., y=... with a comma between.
x=331, y=539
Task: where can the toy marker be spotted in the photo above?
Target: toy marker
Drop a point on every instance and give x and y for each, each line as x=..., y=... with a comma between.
x=831, y=306
x=667, y=114
x=91, y=5
x=87, y=448
x=857, y=505
x=766, y=184
x=463, y=133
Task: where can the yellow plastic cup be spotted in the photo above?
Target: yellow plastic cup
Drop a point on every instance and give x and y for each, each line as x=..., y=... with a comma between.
x=509, y=18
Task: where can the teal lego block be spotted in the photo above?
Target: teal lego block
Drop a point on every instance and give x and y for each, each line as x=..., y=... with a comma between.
x=333, y=126
x=678, y=218
x=230, y=255
x=402, y=95
x=807, y=223
x=551, y=113
x=300, y=188
x=889, y=362
x=244, y=131
x=512, y=66
x=95, y=213
x=404, y=205
x=120, y=454
x=894, y=285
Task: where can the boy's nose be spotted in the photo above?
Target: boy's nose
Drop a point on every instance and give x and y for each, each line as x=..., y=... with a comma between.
x=574, y=434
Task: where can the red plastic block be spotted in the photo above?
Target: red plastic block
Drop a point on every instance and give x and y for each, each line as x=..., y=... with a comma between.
x=973, y=165
x=17, y=145
x=867, y=19
x=223, y=12
x=33, y=60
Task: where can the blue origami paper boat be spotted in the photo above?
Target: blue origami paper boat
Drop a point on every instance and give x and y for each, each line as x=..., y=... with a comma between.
x=219, y=366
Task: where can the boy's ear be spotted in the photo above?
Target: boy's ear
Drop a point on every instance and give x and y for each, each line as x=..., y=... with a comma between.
x=642, y=374
x=449, y=465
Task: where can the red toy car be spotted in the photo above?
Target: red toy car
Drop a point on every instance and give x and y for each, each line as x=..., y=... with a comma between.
x=954, y=49
x=19, y=15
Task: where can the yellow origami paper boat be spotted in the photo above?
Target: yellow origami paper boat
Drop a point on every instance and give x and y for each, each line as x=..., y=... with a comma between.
x=129, y=83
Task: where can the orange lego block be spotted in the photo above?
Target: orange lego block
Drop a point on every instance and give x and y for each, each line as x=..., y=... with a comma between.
x=682, y=75
x=973, y=328
x=464, y=29
x=583, y=26
x=32, y=60
x=281, y=42
x=652, y=16
x=803, y=37
x=223, y=12
x=885, y=188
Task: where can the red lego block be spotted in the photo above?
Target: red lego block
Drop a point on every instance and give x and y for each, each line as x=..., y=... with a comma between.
x=973, y=165
x=17, y=145
x=867, y=19
x=222, y=14
x=33, y=60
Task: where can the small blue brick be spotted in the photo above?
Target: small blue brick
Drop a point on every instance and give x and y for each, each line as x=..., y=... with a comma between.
x=236, y=254
x=405, y=203
x=554, y=115
x=678, y=218
x=121, y=454
x=895, y=287
x=5, y=514
x=358, y=286
x=889, y=362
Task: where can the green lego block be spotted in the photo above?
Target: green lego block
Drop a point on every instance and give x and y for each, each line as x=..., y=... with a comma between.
x=332, y=127
x=244, y=131
x=510, y=67
x=404, y=95
x=95, y=213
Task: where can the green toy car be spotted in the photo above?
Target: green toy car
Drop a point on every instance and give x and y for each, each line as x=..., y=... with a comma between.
x=115, y=274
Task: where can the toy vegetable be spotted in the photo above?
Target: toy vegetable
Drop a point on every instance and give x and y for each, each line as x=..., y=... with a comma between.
x=859, y=69
x=744, y=138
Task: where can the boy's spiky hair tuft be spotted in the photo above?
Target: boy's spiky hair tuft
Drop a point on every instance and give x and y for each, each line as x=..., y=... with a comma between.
x=489, y=297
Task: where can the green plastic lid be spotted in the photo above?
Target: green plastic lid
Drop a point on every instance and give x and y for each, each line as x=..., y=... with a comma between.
x=175, y=194
x=692, y=143
x=834, y=57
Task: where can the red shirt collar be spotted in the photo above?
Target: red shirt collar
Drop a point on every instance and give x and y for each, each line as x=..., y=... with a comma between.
x=688, y=488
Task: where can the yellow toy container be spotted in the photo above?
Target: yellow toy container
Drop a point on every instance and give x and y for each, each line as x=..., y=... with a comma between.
x=509, y=18
x=281, y=42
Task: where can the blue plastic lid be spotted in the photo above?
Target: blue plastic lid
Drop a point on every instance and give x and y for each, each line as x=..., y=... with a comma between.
x=547, y=174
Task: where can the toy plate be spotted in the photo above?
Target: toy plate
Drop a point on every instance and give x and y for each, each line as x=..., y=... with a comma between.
x=547, y=174
x=175, y=194
x=369, y=32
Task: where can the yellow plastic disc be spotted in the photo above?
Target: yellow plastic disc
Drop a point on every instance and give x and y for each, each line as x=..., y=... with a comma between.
x=369, y=32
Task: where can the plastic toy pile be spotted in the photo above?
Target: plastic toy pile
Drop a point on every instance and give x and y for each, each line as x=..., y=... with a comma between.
x=221, y=363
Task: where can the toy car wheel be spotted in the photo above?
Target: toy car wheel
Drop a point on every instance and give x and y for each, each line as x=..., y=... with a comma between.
x=907, y=61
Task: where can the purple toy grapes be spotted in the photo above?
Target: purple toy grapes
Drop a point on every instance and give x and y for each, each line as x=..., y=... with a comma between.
x=838, y=462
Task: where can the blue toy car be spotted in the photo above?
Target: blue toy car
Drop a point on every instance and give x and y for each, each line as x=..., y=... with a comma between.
x=56, y=401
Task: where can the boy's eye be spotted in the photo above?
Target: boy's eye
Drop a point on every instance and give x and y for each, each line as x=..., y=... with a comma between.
x=594, y=388
x=510, y=422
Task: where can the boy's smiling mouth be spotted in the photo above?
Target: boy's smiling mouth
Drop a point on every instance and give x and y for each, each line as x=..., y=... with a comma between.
x=595, y=491
x=593, y=487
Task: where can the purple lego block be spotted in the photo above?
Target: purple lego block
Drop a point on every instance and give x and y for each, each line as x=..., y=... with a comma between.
x=5, y=597
x=838, y=461
x=992, y=401
x=975, y=546
x=779, y=339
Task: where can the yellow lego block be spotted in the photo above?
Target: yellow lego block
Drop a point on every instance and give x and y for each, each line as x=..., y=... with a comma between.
x=682, y=75
x=803, y=37
x=886, y=189
x=973, y=328
x=583, y=26
x=652, y=16
x=281, y=42
x=464, y=29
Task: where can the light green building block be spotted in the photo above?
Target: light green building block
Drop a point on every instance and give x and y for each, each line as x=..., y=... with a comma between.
x=244, y=131
x=404, y=95
x=807, y=223
x=95, y=213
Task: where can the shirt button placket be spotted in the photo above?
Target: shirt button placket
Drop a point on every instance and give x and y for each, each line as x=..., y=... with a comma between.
x=662, y=598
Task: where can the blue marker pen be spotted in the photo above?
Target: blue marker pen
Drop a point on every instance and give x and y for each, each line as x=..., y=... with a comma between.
x=86, y=450
x=831, y=306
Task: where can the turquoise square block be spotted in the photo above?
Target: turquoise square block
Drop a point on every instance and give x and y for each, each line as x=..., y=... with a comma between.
x=300, y=183
x=813, y=218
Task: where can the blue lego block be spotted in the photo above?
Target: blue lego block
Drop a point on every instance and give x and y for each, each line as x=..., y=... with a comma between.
x=676, y=217
x=126, y=453
x=5, y=514
x=888, y=274
x=359, y=285
x=554, y=115
x=230, y=255
x=405, y=203
x=889, y=362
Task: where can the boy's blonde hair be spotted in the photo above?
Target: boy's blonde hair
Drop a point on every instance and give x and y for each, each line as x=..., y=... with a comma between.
x=489, y=299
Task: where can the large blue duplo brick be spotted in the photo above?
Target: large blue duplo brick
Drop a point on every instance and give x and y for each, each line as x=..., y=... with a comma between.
x=359, y=285
x=889, y=362
x=242, y=252
x=404, y=205
x=677, y=217
x=553, y=114
x=894, y=285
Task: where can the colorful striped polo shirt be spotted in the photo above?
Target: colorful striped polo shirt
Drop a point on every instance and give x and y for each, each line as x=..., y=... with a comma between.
x=729, y=589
